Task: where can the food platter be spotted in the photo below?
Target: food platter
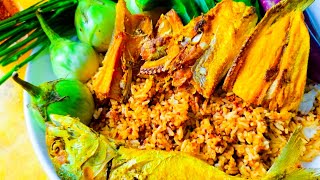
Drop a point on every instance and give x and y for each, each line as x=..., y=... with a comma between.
x=40, y=70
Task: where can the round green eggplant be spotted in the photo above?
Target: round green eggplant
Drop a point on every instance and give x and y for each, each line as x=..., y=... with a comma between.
x=94, y=22
x=62, y=97
x=70, y=59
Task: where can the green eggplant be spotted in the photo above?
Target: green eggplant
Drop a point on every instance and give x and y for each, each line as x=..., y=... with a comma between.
x=70, y=59
x=62, y=96
x=94, y=22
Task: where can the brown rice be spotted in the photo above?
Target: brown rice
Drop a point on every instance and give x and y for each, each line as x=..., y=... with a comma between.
x=223, y=130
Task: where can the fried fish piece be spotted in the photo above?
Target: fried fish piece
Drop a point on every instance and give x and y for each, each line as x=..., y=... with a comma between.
x=122, y=62
x=159, y=50
x=228, y=31
x=271, y=67
x=209, y=43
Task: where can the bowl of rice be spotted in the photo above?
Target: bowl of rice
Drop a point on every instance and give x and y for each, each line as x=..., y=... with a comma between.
x=222, y=130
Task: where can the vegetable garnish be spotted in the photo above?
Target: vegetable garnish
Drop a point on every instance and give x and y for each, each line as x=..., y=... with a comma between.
x=63, y=96
x=70, y=59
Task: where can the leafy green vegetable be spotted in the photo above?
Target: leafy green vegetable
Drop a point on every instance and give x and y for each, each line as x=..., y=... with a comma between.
x=186, y=9
x=94, y=22
x=64, y=97
x=146, y=5
x=205, y=5
x=70, y=59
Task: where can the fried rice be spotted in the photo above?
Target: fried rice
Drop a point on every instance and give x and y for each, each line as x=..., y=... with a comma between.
x=236, y=137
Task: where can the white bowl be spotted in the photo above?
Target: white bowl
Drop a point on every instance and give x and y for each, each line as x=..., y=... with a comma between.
x=39, y=71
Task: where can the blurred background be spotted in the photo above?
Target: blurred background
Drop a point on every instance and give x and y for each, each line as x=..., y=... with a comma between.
x=17, y=157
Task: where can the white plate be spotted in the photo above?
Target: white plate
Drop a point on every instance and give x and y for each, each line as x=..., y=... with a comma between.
x=39, y=71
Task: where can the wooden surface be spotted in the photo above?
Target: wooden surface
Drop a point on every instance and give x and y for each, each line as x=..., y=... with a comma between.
x=17, y=157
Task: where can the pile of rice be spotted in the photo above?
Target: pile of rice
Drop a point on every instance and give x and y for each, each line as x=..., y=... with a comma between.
x=224, y=131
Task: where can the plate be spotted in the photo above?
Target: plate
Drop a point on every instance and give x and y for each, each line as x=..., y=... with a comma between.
x=39, y=71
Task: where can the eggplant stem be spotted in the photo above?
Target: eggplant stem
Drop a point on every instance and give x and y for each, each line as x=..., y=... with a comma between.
x=53, y=36
x=33, y=90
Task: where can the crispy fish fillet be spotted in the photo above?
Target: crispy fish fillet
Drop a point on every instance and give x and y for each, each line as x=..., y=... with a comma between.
x=167, y=26
x=209, y=43
x=122, y=61
x=271, y=68
x=226, y=33
x=159, y=50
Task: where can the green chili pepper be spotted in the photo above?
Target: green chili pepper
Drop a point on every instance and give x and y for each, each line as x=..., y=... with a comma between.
x=94, y=21
x=70, y=59
x=63, y=96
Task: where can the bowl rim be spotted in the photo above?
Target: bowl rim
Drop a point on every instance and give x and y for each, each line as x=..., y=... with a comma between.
x=42, y=154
